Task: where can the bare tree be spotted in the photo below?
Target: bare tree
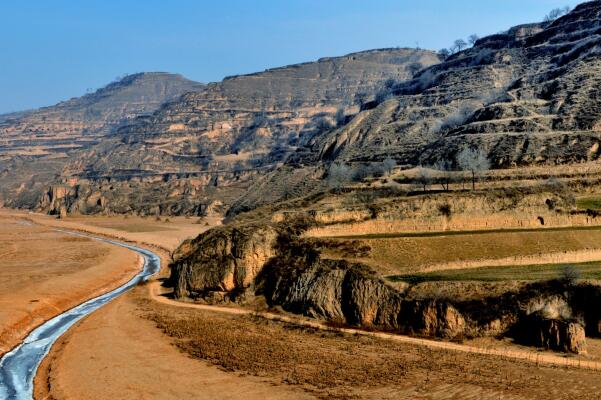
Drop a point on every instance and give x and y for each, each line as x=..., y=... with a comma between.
x=569, y=274
x=388, y=165
x=459, y=45
x=338, y=174
x=444, y=54
x=475, y=161
x=340, y=117
x=472, y=39
x=556, y=13
x=445, y=168
x=423, y=178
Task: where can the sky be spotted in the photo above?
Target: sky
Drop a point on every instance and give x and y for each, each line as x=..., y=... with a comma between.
x=52, y=50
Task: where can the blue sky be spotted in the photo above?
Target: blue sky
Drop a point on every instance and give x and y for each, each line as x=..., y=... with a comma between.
x=51, y=50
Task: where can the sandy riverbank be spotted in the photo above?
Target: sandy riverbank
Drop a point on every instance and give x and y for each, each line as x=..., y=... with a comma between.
x=44, y=272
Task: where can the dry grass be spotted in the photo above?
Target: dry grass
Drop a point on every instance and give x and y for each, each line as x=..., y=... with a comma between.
x=334, y=365
x=167, y=233
x=408, y=254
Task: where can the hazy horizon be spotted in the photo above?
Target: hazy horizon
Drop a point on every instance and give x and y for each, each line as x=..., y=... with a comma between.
x=62, y=50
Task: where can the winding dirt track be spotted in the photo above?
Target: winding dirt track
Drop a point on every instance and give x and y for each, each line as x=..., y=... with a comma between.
x=157, y=294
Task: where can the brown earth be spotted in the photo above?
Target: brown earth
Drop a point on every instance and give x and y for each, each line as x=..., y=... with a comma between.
x=45, y=272
x=165, y=233
x=117, y=354
x=275, y=358
x=241, y=356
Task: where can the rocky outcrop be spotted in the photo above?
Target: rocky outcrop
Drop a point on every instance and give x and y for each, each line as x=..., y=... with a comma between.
x=433, y=318
x=225, y=260
x=553, y=334
x=227, y=263
x=329, y=289
x=351, y=294
x=240, y=263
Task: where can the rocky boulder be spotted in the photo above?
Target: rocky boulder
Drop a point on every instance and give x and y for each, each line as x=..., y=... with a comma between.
x=330, y=289
x=553, y=334
x=433, y=318
x=222, y=260
x=351, y=293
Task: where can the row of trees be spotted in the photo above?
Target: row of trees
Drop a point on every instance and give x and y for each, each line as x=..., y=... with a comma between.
x=340, y=173
x=458, y=45
x=474, y=162
x=461, y=44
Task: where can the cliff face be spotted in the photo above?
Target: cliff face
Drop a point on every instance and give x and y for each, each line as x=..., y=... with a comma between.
x=529, y=95
x=236, y=264
x=230, y=257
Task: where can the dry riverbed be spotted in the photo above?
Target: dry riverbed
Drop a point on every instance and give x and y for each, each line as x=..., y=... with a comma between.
x=44, y=272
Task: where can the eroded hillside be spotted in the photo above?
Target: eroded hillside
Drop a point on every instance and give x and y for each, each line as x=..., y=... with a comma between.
x=206, y=148
x=528, y=95
x=36, y=146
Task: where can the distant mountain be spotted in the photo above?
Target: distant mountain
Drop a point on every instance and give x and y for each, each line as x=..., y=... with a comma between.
x=530, y=95
x=257, y=119
x=210, y=145
x=94, y=114
x=35, y=145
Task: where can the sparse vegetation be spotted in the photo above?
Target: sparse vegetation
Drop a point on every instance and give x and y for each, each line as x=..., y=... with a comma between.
x=474, y=161
x=556, y=13
x=332, y=365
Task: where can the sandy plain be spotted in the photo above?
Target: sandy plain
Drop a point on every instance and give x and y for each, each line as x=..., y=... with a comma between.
x=44, y=272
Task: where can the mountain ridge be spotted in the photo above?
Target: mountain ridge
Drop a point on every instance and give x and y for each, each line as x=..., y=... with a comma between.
x=208, y=146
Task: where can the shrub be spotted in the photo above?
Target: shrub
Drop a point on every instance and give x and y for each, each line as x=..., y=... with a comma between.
x=569, y=274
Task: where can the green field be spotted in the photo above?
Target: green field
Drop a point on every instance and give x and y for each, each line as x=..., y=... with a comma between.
x=591, y=270
x=589, y=203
